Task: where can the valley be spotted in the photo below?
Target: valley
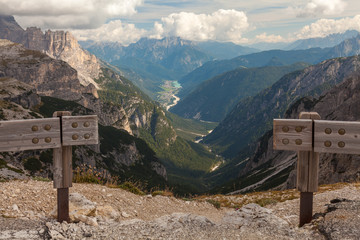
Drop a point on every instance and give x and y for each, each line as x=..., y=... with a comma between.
x=167, y=97
x=175, y=113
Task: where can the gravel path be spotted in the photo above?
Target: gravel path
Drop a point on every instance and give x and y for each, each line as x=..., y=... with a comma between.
x=26, y=206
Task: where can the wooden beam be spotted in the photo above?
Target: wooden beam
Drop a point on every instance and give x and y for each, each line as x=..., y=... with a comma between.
x=19, y=135
x=80, y=130
x=293, y=134
x=337, y=137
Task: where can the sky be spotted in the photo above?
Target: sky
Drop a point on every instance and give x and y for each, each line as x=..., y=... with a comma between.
x=242, y=22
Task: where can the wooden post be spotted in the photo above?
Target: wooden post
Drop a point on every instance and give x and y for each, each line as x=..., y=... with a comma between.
x=307, y=175
x=62, y=174
x=60, y=133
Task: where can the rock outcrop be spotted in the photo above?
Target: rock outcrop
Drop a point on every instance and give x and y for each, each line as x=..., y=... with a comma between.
x=252, y=117
x=59, y=45
x=48, y=76
x=340, y=104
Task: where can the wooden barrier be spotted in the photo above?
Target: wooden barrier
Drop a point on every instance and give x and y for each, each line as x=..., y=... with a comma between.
x=310, y=136
x=60, y=133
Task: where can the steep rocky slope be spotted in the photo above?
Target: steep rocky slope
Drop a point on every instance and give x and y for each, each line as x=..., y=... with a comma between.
x=252, y=117
x=214, y=98
x=211, y=69
x=118, y=153
x=267, y=168
x=149, y=62
x=118, y=104
x=59, y=45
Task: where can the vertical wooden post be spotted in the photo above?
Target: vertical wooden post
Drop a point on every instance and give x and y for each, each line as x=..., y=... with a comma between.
x=307, y=175
x=62, y=174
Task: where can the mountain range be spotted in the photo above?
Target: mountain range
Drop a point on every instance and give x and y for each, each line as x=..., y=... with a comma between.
x=198, y=88
x=267, y=168
x=248, y=128
x=121, y=107
x=252, y=116
x=214, y=98
x=150, y=61
x=42, y=72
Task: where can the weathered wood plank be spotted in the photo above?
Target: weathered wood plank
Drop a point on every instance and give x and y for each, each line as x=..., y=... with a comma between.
x=293, y=134
x=62, y=169
x=57, y=168
x=19, y=135
x=80, y=130
x=302, y=175
x=308, y=163
x=337, y=137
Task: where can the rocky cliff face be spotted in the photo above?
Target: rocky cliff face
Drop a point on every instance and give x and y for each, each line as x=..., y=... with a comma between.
x=252, y=117
x=59, y=45
x=118, y=152
x=50, y=77
x=279, y=167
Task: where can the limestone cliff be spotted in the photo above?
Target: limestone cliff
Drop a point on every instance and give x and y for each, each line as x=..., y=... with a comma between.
x=258, y=166
x=50, y=77
x=59, y=45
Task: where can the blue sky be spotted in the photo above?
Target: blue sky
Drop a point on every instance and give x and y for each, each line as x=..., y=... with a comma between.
x=238, y=21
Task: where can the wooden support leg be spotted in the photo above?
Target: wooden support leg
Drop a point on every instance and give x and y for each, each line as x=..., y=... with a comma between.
x=63, y=205
x=307, y=176
x=306, y=207
x=62, y=175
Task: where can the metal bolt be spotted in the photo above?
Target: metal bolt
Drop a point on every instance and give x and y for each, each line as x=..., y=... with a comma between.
x=341, y=144
x=285, y=129
x=298, y=129
x=285, y=141
x=47, y=127
x=35, y=140
x=48, y=139
x=74, y=125
x=75, y=137
x=34, y=128
x=328, y=131
x=327, y=144
x=87, y=136
x=86, y=124
x=298, y=141
x=342, y=131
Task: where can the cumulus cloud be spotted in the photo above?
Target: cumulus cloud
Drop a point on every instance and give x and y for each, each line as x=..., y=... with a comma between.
x=67, y=13
x=316, y=8
x=269, y=38
x=324, y=27
x=222, y=25
x=114, y=31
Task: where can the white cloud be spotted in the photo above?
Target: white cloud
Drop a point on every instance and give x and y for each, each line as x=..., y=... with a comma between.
x=222, y=25
x=114, y=31
x=324, y=27
x=67, y=13
x=316, y=8
x=269, y=38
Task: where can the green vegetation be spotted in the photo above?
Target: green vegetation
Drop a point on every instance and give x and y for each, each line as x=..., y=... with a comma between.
x=190, y=129
x=215, y=203
x=3, y=164
x=214, y=98
x=131, y=188
x=265, y=58
x=178, y=155
x=32, y=164
x=51, y=105
x=41, y=179
x=46, y=156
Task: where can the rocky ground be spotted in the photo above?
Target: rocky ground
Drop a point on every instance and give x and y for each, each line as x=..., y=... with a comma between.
x=27, y=212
